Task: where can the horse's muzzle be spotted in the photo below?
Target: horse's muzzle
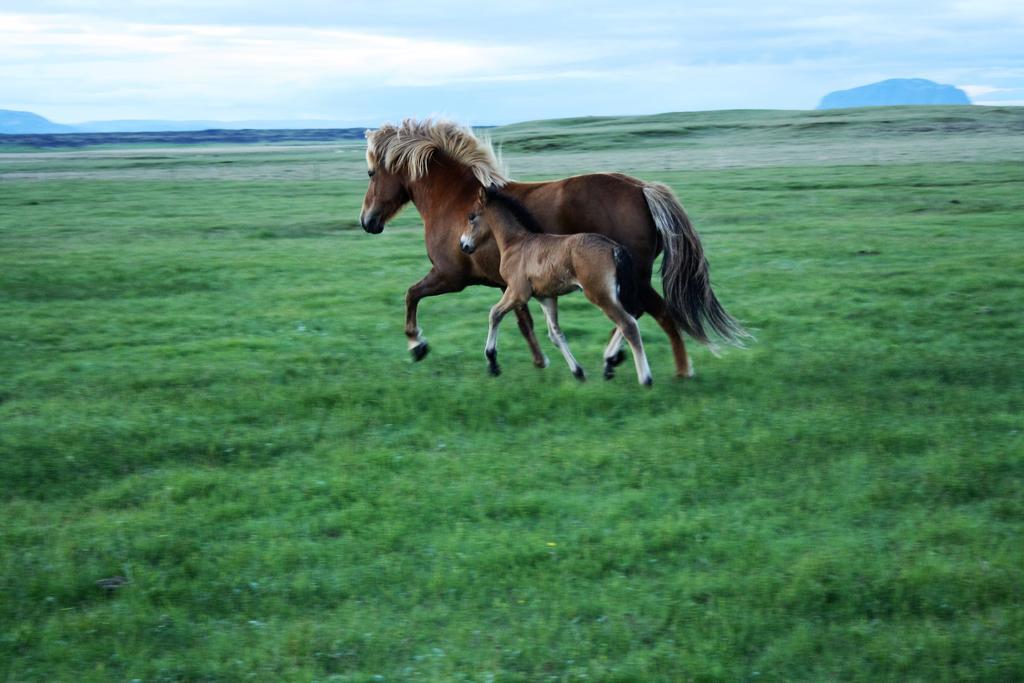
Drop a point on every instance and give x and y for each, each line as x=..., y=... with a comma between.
x=371, y=223
x=467, y=247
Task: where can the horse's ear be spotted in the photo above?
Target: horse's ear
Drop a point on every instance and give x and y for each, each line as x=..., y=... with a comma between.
x=482, y=195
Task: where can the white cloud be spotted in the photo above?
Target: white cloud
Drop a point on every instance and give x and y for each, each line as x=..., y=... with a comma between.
x=73, y=60
x=1000, y=103
x=97, y=61
x=999, y=10
x=974, y=91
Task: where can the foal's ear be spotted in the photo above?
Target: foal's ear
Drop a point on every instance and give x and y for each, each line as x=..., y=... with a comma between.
x=481, y=196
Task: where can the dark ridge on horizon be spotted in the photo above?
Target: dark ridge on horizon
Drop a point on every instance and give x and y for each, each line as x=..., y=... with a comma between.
x=14, y=122
x=613, y=132
x=200, y=137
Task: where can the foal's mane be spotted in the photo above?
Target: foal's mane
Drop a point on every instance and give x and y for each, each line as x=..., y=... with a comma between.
x=515, y=207
x=408, y=148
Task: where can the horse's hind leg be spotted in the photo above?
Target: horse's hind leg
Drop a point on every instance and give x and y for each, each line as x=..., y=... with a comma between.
x=526, y=327
x=550, y=308
x=655, y=305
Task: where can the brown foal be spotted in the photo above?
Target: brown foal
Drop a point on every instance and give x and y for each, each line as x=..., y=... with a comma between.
x=544, y=267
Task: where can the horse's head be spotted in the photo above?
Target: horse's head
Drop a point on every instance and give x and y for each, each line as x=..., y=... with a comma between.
x=477, y=225
x=384, y=197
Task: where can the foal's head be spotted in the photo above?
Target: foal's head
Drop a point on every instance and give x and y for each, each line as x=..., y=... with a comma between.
x=495, y=210
x=478, y=226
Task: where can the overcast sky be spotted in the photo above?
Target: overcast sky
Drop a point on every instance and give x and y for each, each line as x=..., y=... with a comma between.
x=368, y=62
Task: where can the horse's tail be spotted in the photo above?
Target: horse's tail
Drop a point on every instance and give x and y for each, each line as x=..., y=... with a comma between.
x=625, y=281
x=684, y=272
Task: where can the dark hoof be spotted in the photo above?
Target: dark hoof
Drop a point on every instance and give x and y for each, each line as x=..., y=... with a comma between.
x=615, y=360
x=492, y=362
x=579, y=374
x=420, y=351
x=648, y=382
x=609, y=371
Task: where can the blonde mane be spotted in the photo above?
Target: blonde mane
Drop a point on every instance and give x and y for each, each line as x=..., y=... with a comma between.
x=408, y=148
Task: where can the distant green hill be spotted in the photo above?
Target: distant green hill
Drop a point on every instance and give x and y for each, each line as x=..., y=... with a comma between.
x=24, y=122
x=744, y=129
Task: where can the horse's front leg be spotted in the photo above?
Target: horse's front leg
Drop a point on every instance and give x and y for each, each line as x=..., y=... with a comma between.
x=526, y=327
x=433, y=284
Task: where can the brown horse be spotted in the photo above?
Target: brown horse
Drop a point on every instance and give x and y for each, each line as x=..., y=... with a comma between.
x=546, y=266
x=441, y=167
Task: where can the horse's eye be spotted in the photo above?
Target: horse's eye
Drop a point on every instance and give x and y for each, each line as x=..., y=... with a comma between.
x=370, y=172
x=473, y=216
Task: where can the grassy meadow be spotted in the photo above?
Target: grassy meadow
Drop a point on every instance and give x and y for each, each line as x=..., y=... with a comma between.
x=218, y=463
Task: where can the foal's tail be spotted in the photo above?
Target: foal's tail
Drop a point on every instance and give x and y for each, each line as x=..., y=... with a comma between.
x=684, y=272
x=625, y=281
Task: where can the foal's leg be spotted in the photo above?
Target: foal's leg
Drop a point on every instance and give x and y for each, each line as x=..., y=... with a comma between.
x=613, y=354
x=655, y=305
x=550, y=308
x=627, y=326
x=603, y=295
x=632, y=333
x=433, y=284
x=505, y=304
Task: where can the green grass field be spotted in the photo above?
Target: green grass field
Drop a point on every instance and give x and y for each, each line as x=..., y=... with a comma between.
x=205, y=390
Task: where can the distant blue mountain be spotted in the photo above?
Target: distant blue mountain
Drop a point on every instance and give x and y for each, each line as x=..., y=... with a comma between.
x=895, y=91
x=23, y=122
